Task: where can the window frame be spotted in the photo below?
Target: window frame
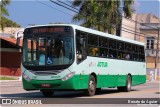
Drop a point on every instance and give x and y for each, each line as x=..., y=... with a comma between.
x=86, y=45
x=149, y=44
x=108, y=49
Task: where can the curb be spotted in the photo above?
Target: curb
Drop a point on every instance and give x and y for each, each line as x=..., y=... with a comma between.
x=10, y=81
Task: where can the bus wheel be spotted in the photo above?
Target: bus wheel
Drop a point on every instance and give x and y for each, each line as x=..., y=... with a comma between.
x=91, y=86
x=128, y=84
x=126, y=88
x=47, y=93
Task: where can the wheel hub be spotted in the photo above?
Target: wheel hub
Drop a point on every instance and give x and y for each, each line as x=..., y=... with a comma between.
x=129, y=85
x=91, y=85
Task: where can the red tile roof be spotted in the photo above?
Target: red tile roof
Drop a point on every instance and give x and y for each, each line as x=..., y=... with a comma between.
x=12, y=41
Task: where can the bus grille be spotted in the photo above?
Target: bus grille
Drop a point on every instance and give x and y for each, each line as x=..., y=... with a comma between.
x=45, y=73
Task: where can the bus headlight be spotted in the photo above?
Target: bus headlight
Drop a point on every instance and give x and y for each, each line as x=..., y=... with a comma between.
x=68, y=76
x=26, y=77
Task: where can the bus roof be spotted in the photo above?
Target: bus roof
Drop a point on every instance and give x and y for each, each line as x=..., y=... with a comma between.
x=92, y=31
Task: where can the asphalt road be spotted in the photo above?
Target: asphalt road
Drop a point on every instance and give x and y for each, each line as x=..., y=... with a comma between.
x=150, y=89
x=107, y=97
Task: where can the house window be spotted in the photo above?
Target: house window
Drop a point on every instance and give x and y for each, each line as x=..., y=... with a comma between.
x=150, y=43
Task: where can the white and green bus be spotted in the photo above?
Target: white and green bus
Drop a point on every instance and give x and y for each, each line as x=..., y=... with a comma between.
x=71, y=57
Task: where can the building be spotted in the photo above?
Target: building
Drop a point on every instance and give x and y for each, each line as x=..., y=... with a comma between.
x=10, y=57
x=144, y=28
x=12, y=32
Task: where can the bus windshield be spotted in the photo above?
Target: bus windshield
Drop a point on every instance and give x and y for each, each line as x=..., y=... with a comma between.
x=47, y=50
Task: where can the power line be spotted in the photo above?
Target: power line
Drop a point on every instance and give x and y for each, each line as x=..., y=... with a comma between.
x=64, y=6
x=128, y=26
x=132, y=32
x=68, y=5
x=129, y=31
x=138, y=33
x=53, y=7
x=117, y=14
x=139, y=23
x=83, y=15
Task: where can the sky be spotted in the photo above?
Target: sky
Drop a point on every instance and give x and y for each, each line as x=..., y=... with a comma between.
x=26, y=12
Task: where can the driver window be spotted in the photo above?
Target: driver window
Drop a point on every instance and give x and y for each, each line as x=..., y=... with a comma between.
x=80, y=46
x=55, y=51
x=42, y=42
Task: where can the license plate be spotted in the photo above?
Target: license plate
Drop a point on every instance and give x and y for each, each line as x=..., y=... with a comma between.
x=45, y=85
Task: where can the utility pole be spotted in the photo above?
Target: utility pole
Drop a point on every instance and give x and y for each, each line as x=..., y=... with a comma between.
x=157, y=55
x=120, y=14
x=119, y=25
x=135, y=35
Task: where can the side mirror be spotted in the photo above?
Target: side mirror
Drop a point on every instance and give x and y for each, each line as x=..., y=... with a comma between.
x=18, y=37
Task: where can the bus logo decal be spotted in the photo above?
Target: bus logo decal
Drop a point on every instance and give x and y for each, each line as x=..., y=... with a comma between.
x=102, y=64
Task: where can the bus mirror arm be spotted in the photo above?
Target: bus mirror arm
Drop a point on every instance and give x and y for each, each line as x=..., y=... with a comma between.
x=18, y=41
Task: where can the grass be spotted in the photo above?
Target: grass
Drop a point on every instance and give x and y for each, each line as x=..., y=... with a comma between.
x=7, y=78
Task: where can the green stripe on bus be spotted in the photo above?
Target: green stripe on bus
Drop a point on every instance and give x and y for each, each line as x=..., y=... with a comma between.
x=81, y=82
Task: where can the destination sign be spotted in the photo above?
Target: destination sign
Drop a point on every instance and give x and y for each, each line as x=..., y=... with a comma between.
x=48, y=29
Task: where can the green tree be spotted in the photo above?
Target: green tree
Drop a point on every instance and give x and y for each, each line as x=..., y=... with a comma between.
x=4, y=22
x=101, y=15
x=3, y=12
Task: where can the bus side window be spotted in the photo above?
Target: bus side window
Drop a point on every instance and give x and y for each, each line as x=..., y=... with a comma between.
x=93, y=51
x=134, y=49
x=80, y=46
x=127, y=56
x=128, y=47
x=135, y=57
x=103, y=42
x=92, y=40
x=103, y=52
x=103, y=47
x=141, y=54
x=112, y=43
x=141, y=50
x=113, y=53
x=120, y=45
x=121, y=55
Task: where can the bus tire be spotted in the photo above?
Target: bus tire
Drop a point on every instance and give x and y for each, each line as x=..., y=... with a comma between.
x=47, y=93
x=126, y=88
x=91, y=86
x=128, y=84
